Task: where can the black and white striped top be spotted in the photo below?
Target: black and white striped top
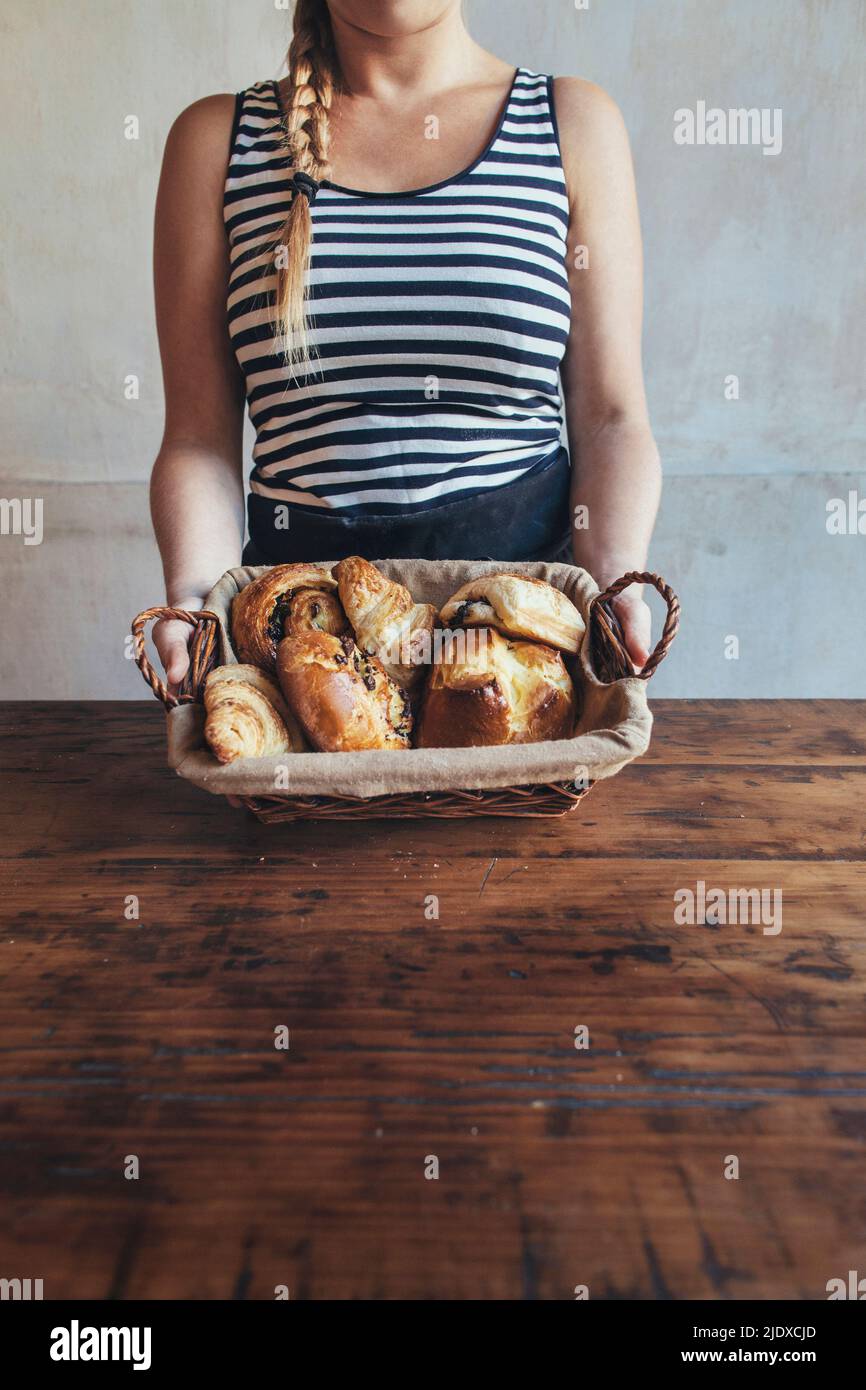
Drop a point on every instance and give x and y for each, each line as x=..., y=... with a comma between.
x=439, y=316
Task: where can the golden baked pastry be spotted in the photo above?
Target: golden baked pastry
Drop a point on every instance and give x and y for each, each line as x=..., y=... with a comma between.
x=342, y=697
x=492, y=690
x=517, y=607
x=314, y=610
x=246, y=716
x=288, y=599
x=388, y=623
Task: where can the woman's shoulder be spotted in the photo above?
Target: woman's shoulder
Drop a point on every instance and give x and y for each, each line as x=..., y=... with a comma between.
x=590, y=123
x=197, y=150
x=580, y=101
x=214, y=114
x=206, y=118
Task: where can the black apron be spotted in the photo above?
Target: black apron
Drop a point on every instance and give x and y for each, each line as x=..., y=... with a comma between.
x=528, y=519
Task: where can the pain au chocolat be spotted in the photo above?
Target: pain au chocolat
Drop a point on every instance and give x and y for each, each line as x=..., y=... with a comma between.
x=343, y=698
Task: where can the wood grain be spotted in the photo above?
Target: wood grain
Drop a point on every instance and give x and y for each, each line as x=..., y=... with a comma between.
x=452, y=1037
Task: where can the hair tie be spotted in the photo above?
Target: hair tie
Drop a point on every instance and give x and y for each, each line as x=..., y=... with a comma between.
x=306, y=184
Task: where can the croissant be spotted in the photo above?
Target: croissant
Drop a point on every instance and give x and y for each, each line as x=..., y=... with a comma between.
x=288, y=599
x=343, y=697
x=517, y=607
x=388, y=623
x=486, y=689
x=247, y=716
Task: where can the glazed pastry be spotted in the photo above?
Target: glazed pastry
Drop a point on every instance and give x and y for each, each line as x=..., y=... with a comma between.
x=517, y=607
x=289, y=598
x=342, y=697
x=312, y=610
x=247, y=716
x=489, y=689
x=388, y=623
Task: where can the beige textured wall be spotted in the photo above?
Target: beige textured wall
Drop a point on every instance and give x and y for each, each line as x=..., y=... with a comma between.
x=754, y=268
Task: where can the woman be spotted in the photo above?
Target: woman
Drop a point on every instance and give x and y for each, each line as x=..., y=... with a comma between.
x=411, y=238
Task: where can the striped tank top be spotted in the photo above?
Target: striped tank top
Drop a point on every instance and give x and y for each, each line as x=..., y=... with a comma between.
x=439, y=318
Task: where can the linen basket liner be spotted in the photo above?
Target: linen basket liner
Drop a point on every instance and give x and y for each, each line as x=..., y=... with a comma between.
x=612, y=727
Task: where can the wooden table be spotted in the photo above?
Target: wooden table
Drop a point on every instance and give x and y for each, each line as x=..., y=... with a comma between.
x=413, y=1038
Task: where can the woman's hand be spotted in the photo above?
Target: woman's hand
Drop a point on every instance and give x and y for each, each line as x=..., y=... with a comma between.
x=172, y=638
x=636, y=620
x=196, y=489
x=617, y=475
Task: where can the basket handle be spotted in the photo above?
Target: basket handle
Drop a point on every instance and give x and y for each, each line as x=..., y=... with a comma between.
x=202, y=653
x=607, y=637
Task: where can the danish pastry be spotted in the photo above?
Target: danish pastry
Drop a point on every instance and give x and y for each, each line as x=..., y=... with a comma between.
x=343, y=697
x=289, y=599
x=246, y=716
x=388, y=623
x=492, y=690
x=517, y=607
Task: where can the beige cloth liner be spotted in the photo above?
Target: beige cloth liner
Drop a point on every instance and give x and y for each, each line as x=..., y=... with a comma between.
x=613, y=724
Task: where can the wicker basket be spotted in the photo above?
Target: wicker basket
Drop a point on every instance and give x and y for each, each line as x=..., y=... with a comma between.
x=610, y=662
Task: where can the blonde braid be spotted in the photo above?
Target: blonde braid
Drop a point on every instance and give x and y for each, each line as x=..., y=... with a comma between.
x=310, y=85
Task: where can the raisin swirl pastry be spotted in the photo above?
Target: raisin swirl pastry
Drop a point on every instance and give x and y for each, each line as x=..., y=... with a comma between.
x=517, y=607
x=342, y=697
x=289, y=599
x=246, y=716
x=387, y=621
x=488, y=689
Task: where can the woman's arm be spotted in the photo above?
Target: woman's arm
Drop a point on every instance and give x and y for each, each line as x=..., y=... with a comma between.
x=196, y=488
x=616, y=469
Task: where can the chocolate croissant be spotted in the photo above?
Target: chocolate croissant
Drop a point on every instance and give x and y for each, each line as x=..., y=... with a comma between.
x=287, y=600
x=247, y=716
x=486, y=689
x=342, y=696
x=517, y=607
x=388, y=623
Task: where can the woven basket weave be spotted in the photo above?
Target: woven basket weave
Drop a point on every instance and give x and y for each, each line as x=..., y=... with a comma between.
x=610, y=661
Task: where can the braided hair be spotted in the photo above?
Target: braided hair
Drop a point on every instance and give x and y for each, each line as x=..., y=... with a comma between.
x=313, y=77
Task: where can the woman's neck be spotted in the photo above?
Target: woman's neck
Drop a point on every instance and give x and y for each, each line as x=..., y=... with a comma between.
x=440, y=56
